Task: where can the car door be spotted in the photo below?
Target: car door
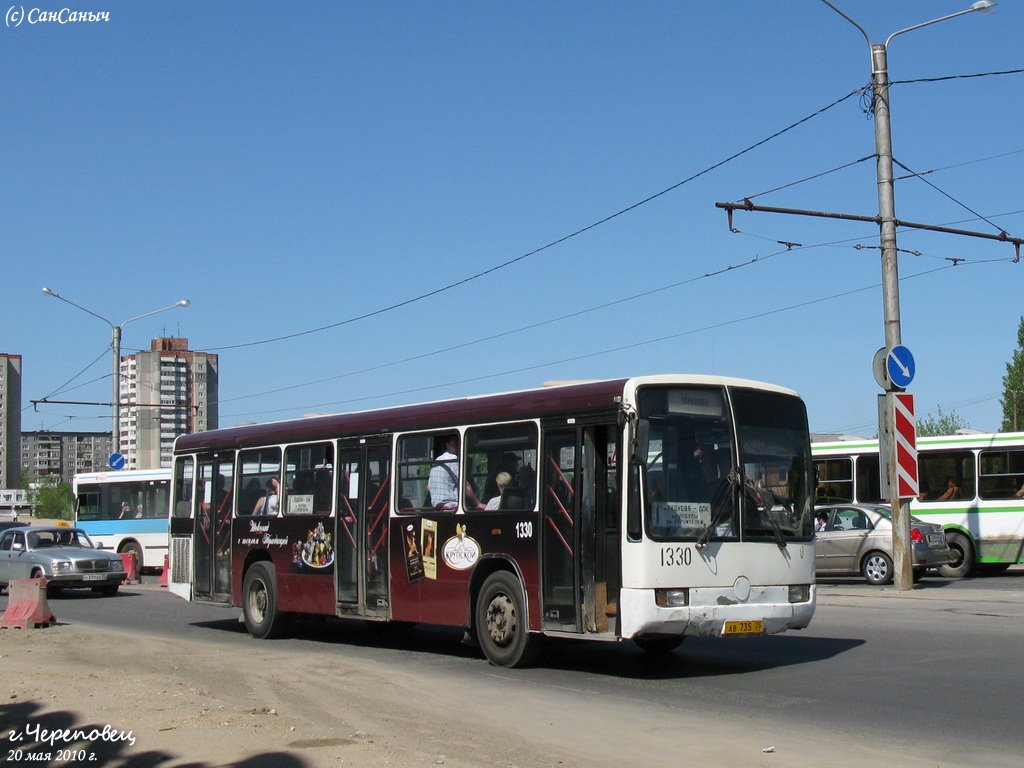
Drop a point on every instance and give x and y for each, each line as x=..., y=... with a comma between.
x=6, y=550
x=14, y=562
x=847, y=540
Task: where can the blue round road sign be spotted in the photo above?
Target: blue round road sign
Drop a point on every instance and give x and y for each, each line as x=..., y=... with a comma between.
x=899, y=364
x=116, y=461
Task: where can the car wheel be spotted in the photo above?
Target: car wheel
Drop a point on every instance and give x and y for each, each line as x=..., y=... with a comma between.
x=501, y=625
x=877, y=568
x=658, y=645
x=263, y=618
x=919, y=574
x=963, y=557
x=52, y=590
x=108, y=590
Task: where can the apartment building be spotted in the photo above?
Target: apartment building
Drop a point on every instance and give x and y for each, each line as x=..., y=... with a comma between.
x=10, y=420
x=165, y=392
x=58, y=456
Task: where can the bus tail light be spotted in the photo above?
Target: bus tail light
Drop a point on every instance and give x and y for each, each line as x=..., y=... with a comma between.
x=799, y=593
x=672, y=598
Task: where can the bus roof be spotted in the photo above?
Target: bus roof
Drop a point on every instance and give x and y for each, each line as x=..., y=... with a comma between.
x=122, y=475
x=974, y=440
x=572, y=398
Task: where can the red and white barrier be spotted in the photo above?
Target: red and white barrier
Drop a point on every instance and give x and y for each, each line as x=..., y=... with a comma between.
x=131, y=568
x=26, y=605
x=165, y=571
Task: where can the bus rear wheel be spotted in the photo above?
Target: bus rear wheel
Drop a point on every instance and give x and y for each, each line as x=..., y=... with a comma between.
x=963, y=557
x=501, y=625
x=263, y=618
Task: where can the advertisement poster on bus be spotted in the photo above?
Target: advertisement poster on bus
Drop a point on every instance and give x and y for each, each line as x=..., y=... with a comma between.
x=413, y=558
x=429, y=547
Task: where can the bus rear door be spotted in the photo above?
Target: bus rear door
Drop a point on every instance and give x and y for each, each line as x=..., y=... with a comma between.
x=364, y=493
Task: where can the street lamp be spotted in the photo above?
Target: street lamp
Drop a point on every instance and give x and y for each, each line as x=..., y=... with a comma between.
x=890, y=273
x=115, y=331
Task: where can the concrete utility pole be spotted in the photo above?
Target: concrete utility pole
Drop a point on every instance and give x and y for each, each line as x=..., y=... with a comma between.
x=890, y=272
x=115, y=331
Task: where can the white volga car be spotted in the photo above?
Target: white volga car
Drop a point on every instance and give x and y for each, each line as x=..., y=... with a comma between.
x=64, y=556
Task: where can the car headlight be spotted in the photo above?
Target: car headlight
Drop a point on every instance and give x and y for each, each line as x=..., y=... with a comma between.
x=63, y=566
x=116, y=565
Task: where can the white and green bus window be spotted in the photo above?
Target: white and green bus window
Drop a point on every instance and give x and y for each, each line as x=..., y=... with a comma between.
x=1002, y=474
x=946, y=476
x=835, y=480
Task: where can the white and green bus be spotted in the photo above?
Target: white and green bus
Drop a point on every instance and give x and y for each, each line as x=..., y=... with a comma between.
x=972, y=485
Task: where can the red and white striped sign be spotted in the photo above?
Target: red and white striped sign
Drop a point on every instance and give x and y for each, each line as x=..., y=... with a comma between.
x=905, y=429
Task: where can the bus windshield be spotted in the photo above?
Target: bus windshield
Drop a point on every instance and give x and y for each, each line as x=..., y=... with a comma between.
x=776, y=460
x=700, y=485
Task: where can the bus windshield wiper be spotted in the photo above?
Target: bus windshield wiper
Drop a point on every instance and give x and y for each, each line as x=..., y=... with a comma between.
x=717, y=505
x=780, y=538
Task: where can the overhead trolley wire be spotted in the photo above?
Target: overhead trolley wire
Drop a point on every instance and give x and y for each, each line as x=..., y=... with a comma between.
x=541, y=249
x=598, y=353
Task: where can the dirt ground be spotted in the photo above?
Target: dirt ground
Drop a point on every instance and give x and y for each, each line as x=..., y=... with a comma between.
x=184, y=704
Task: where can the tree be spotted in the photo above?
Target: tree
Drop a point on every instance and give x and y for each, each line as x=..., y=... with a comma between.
x=943, y=424
x=55, y=501
x=1013, y=386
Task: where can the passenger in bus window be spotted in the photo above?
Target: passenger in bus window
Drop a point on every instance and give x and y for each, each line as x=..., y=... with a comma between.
x=126, y=510
x=952, y=490
x=268, y=503
x=502, y=480
x=443, y=480
x=1020, y=491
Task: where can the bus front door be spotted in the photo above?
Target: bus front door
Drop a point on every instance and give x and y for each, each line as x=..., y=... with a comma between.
x=212, y=540
x=364, y=493
x=580, y=545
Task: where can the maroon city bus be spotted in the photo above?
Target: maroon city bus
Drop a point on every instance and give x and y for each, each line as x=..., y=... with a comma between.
x=564, y=511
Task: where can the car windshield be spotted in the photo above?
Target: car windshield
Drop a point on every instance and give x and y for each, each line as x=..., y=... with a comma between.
x=66, y=537
x=693, y=487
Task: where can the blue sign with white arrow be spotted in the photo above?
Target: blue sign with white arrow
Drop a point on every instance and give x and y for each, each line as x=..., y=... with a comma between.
x=116, y=461
x=899, y=364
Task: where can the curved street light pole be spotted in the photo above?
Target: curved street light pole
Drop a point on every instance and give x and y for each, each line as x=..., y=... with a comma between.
x=890, y=271
x=115, y=332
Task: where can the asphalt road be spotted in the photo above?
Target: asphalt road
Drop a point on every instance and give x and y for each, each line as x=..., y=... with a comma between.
x=939, y=669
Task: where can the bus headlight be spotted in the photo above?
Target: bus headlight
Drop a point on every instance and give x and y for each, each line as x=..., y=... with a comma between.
x=799, y=593
x=671, y=598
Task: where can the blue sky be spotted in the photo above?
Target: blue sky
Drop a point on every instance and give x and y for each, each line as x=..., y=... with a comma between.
x=293, y=167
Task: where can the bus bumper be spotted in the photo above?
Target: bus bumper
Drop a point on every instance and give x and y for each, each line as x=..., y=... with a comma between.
x=710, y=608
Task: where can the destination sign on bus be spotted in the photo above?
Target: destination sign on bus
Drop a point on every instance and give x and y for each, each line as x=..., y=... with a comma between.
x=696, y=402
x=681, y=514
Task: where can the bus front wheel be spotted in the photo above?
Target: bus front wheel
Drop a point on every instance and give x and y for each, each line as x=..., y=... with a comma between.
x=263, y=618
x=962, y=564
x=501, y=625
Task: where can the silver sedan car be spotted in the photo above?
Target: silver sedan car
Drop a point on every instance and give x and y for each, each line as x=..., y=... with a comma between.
x=64, y=556
x=856, y=539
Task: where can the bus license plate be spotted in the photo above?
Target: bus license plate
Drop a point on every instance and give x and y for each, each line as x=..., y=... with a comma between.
x=93, y=577
x=744, y=627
